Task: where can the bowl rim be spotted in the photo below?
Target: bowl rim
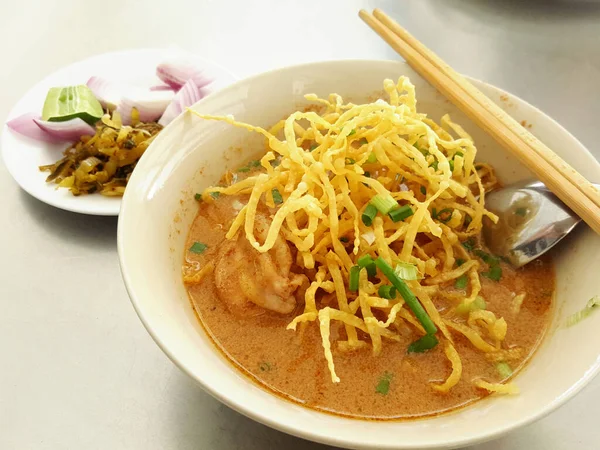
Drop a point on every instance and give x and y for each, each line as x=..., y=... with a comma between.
x=322, y=436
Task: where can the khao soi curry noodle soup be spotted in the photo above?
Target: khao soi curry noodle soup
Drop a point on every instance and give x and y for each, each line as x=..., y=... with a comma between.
x=344, y=269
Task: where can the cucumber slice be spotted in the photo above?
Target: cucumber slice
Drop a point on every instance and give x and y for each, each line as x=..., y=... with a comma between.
x=66, y=103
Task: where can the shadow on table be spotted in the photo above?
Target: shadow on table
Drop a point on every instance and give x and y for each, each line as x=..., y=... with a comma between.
x=202, y=422
x=89, y=231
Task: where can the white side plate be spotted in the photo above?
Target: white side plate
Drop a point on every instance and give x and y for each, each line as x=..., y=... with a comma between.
x=23, y=156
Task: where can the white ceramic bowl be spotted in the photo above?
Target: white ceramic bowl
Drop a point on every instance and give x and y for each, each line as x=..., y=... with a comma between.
x=191, y=154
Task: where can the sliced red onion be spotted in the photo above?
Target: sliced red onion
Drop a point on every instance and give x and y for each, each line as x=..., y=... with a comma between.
x=150, y=104
x=176, y=73
x=69, y=130
x=32, y=126
x=107, y=92
x=189, y=94
x=162, y=87
x=26, y=126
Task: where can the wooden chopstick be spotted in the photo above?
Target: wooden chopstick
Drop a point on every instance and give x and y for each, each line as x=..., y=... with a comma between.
x=557, y=162
x=555, y=180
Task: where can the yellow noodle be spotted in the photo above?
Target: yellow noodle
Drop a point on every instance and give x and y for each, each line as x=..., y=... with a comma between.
x=340, y=291
x=471, y=335
x=497, y=388
x=324, y=320
x=452, y=274
x=517, y=302
x=454, y=377
x=326, y=189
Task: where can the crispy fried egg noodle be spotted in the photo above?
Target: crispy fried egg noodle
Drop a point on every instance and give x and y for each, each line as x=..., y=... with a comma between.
x=327, y=166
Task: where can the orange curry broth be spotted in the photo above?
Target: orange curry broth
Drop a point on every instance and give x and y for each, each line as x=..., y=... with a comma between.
x=392, y=385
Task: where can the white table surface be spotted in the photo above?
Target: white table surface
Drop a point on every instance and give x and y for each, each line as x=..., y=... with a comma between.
x=78, y=370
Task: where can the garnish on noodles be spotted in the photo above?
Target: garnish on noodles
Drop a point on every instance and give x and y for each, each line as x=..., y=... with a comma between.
x=383, y=207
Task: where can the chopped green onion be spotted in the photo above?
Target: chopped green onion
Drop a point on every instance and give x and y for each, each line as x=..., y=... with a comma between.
x=371, y=270
x=198, y=247
x=458, y=154
x=386, y=291
x=460, y=262
x=461, y=282
x=447, y=212
x=468, y=220
x=476, y=305
x=495, y=273
x=197, y=196
x=354, y=278
x=384, y=203
x=254, y=163
x=372, y=159
x=367, y=174
x=521, y=212
x=366, y=262
x=406, y=271
x=312, y=147
x=215, y=195
x=427, y=342
x=352, y=132
x=402, y=213
x=504, y=370
x=344, y=239
x=350, y=161
x=407, y=295
x=469, y=244
x=592, y=303
x=277, y=198
x=479, y=303
x=243, y=169
x=264, y=367
x=451, y=164
x=383, y=386
x=487, y=258
x=434, y=165
x=363, y=141
x=369, y=214
x=423, y=190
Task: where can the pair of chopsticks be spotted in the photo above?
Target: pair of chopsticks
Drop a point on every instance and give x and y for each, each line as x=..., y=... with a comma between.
x=564, y=181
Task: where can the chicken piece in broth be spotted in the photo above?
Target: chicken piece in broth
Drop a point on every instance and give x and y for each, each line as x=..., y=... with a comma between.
x=249, y=282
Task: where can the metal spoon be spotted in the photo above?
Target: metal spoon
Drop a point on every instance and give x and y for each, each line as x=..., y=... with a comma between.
x=531, y=220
